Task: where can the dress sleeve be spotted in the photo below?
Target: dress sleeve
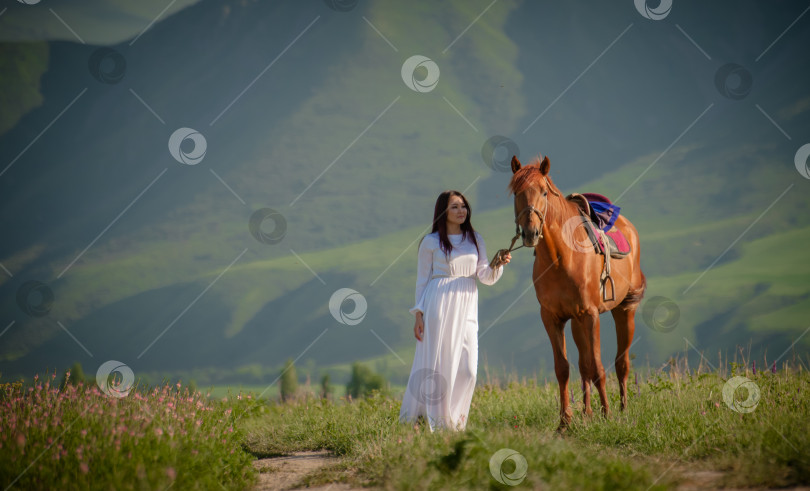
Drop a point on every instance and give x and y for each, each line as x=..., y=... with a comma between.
x=486, y=275
x=423, y=272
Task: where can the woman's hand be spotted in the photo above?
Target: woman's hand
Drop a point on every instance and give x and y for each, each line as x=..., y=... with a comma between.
x=502, y=257
x=419, y=326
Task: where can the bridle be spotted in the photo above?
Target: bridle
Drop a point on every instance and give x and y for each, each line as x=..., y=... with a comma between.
x=531, y=209
x=527, y=209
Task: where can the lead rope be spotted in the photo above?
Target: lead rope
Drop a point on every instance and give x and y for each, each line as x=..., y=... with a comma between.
x=499, y=255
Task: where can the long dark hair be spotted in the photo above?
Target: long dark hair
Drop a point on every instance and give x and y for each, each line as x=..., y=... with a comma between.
x=440, y=221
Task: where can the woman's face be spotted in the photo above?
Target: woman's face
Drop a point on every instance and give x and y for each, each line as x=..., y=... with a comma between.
x=456, y=211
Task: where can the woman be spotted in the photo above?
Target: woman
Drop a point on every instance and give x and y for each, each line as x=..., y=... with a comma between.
x=451, y=257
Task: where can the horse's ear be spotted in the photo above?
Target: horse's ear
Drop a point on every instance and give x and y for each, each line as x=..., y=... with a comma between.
x=515, y=164
x=544, y=166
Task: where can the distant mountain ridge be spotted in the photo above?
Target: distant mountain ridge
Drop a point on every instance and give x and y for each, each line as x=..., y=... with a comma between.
x=355, y=191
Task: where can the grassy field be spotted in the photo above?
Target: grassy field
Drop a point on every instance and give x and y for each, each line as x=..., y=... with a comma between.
x=678, y=430
x=683, y=426
x=80, y=437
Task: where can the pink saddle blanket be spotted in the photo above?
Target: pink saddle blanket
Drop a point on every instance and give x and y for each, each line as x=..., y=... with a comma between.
x=617, y=242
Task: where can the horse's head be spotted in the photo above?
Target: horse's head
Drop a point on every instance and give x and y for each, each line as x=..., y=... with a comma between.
x=530, y=185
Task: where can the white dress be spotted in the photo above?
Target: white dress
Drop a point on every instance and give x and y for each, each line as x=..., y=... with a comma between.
x=445, y=365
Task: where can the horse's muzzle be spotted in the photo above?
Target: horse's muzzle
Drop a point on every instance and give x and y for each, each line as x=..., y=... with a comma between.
x=530, y=237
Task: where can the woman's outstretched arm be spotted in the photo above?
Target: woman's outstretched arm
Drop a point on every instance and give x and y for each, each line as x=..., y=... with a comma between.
x=487, y=275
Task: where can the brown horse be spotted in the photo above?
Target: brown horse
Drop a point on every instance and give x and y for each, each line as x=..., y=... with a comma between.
x=567, y=282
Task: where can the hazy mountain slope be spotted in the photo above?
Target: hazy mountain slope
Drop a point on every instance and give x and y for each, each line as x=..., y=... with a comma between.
x=332, y=119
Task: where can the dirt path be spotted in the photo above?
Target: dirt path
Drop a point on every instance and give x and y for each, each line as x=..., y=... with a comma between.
x=286, y=473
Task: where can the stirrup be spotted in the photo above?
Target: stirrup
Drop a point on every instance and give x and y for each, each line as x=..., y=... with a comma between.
x=612, y=289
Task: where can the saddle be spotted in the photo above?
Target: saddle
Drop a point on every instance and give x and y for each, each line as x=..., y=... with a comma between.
x=598, y=216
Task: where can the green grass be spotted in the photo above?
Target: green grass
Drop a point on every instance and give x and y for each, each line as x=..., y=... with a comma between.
x=677, y=424
x=155, y=437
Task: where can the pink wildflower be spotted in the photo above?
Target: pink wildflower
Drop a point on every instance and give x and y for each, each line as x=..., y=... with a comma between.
x=84, y=468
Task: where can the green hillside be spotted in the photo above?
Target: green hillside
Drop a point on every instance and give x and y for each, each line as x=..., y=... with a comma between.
x=333, y=140
x=21, y=66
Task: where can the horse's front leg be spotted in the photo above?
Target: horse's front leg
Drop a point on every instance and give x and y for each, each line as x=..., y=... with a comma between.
x=585, y=330
x=555, y=330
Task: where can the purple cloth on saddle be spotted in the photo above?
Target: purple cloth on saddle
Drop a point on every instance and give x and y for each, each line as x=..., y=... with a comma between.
x=603, y=212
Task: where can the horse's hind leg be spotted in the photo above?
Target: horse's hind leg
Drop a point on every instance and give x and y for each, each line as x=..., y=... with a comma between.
x=625, y=317
x=585, y=330
x=554, y=328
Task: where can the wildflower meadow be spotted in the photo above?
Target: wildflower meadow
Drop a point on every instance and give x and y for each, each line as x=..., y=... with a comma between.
x=699, y=428
x=78, y=437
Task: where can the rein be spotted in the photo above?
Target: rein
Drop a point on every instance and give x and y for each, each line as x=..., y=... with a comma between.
x=530, y=209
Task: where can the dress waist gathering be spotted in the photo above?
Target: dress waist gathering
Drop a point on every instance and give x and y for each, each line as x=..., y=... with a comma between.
x=471, y=276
